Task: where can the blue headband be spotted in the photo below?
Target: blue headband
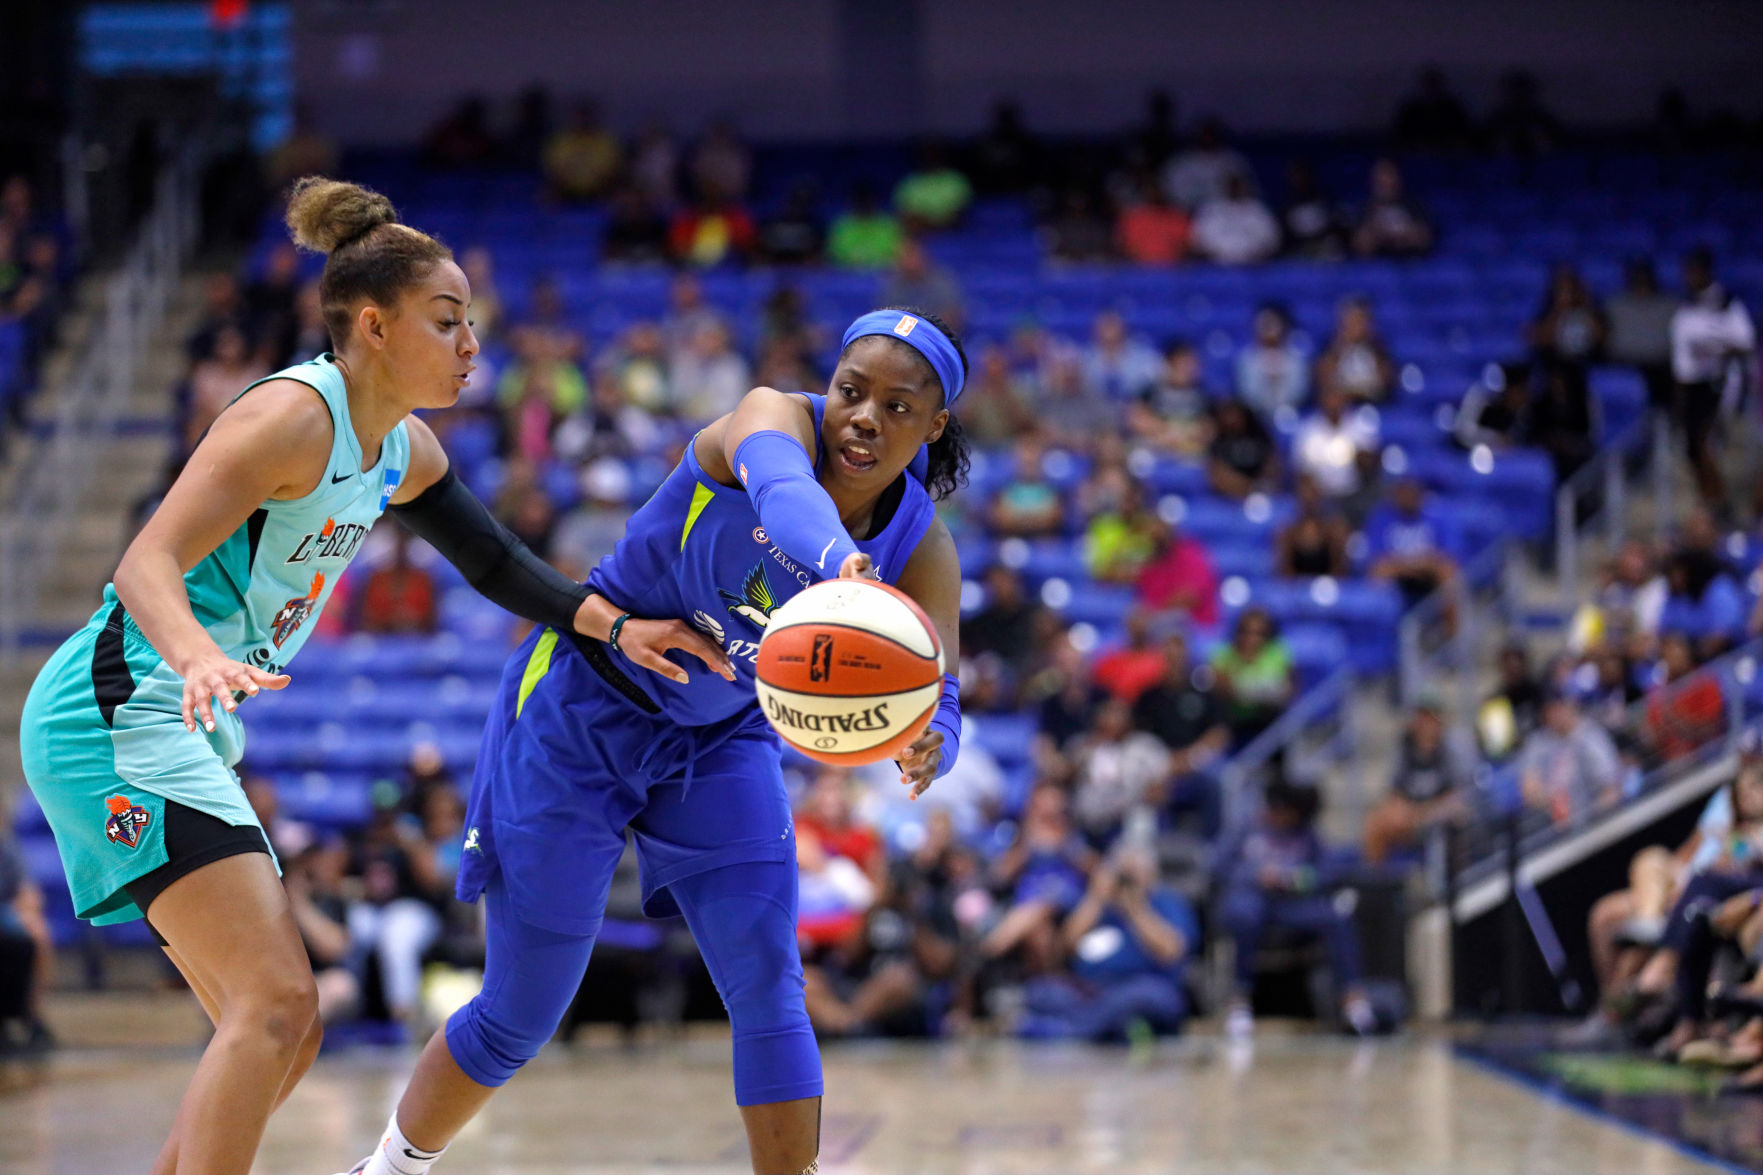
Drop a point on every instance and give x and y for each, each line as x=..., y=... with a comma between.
x=923, y=337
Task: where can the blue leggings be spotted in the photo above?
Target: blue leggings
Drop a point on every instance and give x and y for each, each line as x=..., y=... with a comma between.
x=1247, y=914
x=744, y=918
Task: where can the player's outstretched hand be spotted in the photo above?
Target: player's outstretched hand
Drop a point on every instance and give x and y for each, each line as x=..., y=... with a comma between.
x=857, y=565
x=919, y=762
x=647, y=643
x=218, y=676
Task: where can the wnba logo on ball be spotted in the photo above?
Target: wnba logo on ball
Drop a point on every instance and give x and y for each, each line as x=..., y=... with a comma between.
x=820, y=661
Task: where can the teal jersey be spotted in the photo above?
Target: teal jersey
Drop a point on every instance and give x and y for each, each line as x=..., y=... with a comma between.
x=259, y=592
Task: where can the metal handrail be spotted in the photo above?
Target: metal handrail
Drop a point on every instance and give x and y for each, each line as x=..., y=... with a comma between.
x=1605, y=472
x=1241, y=768
x=91, y=401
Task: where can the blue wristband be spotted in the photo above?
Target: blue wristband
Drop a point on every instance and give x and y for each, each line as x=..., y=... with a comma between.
x=948, y=722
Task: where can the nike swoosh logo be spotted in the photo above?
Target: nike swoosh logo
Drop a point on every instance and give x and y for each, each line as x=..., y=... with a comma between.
x=339, y=477
x=829, y=546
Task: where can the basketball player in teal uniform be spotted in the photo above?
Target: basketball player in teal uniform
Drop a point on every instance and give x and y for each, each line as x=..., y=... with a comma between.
x=123, y=744
x=593, y=736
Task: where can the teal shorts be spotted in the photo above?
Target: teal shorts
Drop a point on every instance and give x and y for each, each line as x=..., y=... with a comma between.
x=104, y=747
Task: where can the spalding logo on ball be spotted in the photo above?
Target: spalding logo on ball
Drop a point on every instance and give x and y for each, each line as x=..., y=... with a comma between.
x=850, y=671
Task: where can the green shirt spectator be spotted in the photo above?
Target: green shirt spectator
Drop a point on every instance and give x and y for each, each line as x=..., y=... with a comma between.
x=864, y=239
x=933, y=198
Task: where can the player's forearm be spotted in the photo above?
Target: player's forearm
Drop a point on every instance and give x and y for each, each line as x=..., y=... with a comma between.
x=151, y=586
x=795, y=511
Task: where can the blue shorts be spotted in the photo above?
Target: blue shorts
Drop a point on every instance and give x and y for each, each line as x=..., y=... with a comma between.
x=569, y=762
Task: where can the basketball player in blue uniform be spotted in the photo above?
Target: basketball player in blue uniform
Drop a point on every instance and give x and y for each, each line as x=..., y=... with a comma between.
x=591, y=737
x=123, y=745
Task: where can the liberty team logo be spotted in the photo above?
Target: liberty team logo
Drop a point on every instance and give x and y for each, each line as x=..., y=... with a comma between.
x=294, y=613
x=128, y=820
x=755, y=604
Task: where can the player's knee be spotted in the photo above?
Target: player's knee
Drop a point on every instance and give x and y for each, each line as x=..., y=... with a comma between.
x=284, y=1009
x=490, y=1044
x=762, y=989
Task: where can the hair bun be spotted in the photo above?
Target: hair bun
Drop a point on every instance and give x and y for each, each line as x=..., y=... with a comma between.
x=326, y=214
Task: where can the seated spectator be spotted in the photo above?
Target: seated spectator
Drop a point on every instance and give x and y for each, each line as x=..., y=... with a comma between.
x=398, y=597
x=1179, y=578
x=223, y=307
x=286, y=836
x=1506, y=719
x=535, y=394
x=1174, y=414
x=316, y=882
x=394, y=919
x=842, y=861
x=1046, y=871
x=1568, y=767
x=935, y=194
x=269, y=303
x=918, y=281
x=1064, y=696
x=523, y=506
x=710, y=377
x=1569, y=327
x=1355, y=360
x=714, y=231
x=524, y=144
x=1276, y=875
x=1183, y=712
x=1241, y=458
x=1117, y=365
x=1202, y=171
x=26, y=955
x=1028, y=505
x=1433, y=775
x=1639, y=328
x=1272, y=373
x=995, y=409
x=864, y=236
x=794, y=234
x=1065, y=409
x=545, y=331
x=1338, y=447
x=607, y=426
x=306, y=151
x=1256, y=677
x=214, y=382
x=1235, y=228
x=1519, y=124
x=1314, y=542
x=1314, y=225
x=639, y=363
x=1411, y=544
x=583, y=159
x=479, y=266
x=1686, y=710
x=688, y=312
x=1391, y=225
x=721, y=164
x=1432, y=118
x=462, y=138
x=1128, y=942
x=1129, y=669
x=1121, y=538
x=1714, y=617
x=588, y=533
x=1712, y=340
x=1154, y=141
x=1625, y=611
x=1119, y=774
x=1607, y=686
x=636, y=230
x=1151, y=230
x=655, y=165
x=1006, y=158
x=1005, y=625
x=1495, y=411
x=1560, y=420
x=1079, y=231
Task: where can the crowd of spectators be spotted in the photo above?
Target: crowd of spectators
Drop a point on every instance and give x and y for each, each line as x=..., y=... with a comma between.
x=1074, y=909
x=36, y=268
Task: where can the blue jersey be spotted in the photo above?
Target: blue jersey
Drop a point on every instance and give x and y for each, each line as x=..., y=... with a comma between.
x=696, y=552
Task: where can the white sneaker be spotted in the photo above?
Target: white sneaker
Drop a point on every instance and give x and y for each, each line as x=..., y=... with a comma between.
x=1239, y=1022
x=1359, y=1016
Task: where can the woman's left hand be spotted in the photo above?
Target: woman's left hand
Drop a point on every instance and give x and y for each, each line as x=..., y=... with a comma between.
x=919, y=762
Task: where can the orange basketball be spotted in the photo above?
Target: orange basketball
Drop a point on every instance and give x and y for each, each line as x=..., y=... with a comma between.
x=850, y=671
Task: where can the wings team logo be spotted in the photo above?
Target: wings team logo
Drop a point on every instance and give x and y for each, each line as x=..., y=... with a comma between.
x=820, y=659
x=128, y=820
x=294, y=613
x=708, y=624
x=755, y=604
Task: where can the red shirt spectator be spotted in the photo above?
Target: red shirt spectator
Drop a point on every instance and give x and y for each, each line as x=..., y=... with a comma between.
x=1133, y=668
x=711, y=233
x=1153, y=231
x=842, y=861
x=1181, y=576
x=1688, y=710
x=399, y=597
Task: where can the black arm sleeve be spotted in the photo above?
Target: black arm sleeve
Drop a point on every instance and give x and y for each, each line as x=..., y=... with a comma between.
x=501, y=567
